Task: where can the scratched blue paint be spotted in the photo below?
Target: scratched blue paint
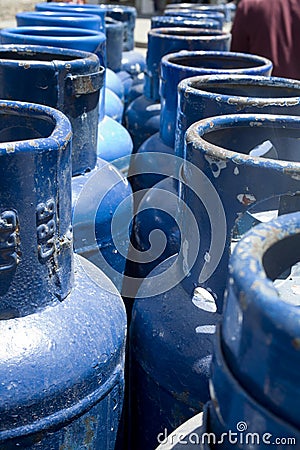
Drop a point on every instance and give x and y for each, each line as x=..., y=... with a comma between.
x=172, y=334
x=51, y=76
x=62, y=321
x=87, y=40
x=259, y=337
x=219, y=69
x=71, y=81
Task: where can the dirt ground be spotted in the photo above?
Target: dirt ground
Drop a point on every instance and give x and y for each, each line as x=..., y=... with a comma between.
x=9, y=8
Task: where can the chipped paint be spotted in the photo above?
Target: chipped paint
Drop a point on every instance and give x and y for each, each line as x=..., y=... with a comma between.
x=10, y=148
x=24, y=64
x=246, y=199
x=256, y=124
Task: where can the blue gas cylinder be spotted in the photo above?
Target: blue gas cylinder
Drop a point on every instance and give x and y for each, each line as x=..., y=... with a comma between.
x=56, y=19
x=256, y=362
x=66, y=79
x=67, y=18
x=62, y=37
x=114, y=31
x=260, y=327
x=62, y=7
x=133, y=62
x=114, y=106
x=201, y=15
x=177, y=21
x=222, y=8
x=130, y=75
x=102, y=214
x=142, y=116
x=71, y=82
x=179, y=304
x=127, y=15
x=93, y=22
x=62, y=350
x=111, y=80
x=82, y=39
x=175, y=67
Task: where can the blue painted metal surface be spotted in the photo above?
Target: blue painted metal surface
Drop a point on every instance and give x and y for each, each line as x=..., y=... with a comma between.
x=82, y=39
x=114, y=31
x=167, y=40
x=249, y=184
x=46, y=13
x=197, y=14
x=222, y=8
x=65, y=79
x=114, y=143
x=260, y=319
x=58, y=19
x=173, y=21
x=133, y=62
x=61, y=371
x=201, y=97
x=71, y=80
x=112, y=82
x=126, y=15
x=133, y=86
x=74, y=8
x=75, y=38
x=102, y=213
x=220, y=180
x=114, y=41
x=260, y=325
x=140, y=116
x=114, y=107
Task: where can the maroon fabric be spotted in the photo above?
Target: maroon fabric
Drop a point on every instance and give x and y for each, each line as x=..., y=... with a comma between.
x=270, y=28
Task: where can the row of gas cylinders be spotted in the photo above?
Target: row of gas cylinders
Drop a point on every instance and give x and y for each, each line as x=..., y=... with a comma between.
x=156, y=194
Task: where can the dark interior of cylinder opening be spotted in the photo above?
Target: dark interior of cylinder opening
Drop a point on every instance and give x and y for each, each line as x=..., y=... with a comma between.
x=216, y=62
x=18, y=127
x=255, y=139
x=247, y=89
x=54, y=32
x=191, y=32
x=36, y=56
x=281, y=256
